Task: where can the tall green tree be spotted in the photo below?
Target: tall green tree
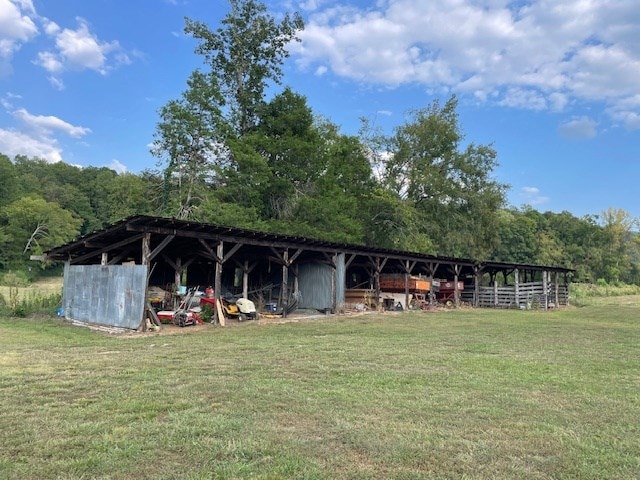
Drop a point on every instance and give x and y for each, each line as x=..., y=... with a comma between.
x=190, y=143
x=200, y=139
x=290, y=142
x=245, y=54
x=450, y=185
x=332, y=207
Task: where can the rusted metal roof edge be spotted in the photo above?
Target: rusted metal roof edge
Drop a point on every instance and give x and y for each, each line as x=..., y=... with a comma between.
x=141, y=222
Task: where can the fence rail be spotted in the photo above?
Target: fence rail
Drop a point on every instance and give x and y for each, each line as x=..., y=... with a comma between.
x=523, y=296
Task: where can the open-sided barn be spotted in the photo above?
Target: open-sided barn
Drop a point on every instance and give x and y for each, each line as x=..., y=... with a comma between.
x=110, y=273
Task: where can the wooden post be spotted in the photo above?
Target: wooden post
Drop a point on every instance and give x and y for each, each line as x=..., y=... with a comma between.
x=334, y=282
x=476, y=286
x=217, y=283
x=456, y=290
x=284, y=291
x=495, y=293
x=245, y=279
x=146, y=254
x=432, y=267
x=545, y=289
x=556, y=289
x=406, y=285
x=516, y=276
x=178, y=273
x=104, y=260
x=296, y=286
x=376, y=282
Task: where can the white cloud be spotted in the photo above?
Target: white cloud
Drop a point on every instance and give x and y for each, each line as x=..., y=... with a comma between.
x=523, y=98
x=14, y=143
x=37, y=138
x=537, y=54
x=321, y=70
x=50, y=28
x=580, y=127
x=46, y=124
x=117, y=166
x=50, y=62
x=80, y=49
x=7, y=100
x=630, y=119
x=531, y=196
x=16, y=27
x=26, y=5
x=56, y=83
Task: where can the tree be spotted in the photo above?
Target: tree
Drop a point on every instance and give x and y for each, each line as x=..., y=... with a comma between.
x=8, y=181
x=190, y=140
x=291, y=145
x=201, y=137
x=338, y=182
x=245, y=54
x=31, y=225
x=518, y=237
x=451, y=187
x=128, y=194
x=618, y=226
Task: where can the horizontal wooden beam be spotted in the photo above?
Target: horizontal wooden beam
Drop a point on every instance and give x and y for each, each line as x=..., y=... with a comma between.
x=102, y=250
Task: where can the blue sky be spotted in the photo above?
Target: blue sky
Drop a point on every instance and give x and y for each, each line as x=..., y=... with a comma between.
x=553, y=85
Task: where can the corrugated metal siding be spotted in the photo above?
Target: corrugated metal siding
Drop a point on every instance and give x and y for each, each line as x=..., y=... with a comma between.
x=112, y=295
x=314, y=285
x=341, y=281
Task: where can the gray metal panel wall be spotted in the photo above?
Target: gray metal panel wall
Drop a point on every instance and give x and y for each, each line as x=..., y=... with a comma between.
x=314, y=284
x=341, y=281
x=112, y=295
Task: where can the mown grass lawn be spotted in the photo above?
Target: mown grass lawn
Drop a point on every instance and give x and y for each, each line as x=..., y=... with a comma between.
x=455, y=394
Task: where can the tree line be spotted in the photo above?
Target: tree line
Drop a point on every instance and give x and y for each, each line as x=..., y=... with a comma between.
x=227, y=154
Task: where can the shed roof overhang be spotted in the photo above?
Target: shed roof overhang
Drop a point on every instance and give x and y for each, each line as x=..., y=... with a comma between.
x=186, y=236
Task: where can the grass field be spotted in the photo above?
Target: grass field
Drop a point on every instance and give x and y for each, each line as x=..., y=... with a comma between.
x=44, y=287
x=456, y=394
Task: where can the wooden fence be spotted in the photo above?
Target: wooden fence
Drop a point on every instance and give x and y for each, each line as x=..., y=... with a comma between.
x=524, y=296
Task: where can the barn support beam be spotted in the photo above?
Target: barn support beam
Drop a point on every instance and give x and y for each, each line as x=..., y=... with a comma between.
x=286, y=261
x=431, y=269
x=516, y=282
x=377, y=265
x=146, y=255
x=334, y=283
x=545, y=288
x=408, y=269
x=103, y=249
x=477, y=278
x=284, y=291
x=217, y=284
x=456, y=289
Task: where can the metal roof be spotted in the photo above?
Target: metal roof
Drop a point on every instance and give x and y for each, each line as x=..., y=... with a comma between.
x=123, y=231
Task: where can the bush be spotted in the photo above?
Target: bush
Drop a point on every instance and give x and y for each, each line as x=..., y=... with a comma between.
x=207, y=313
x=15, y=279
x=602, y=289
x=21, y=305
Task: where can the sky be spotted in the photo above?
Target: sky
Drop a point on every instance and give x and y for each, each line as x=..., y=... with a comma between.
x=553, y=86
